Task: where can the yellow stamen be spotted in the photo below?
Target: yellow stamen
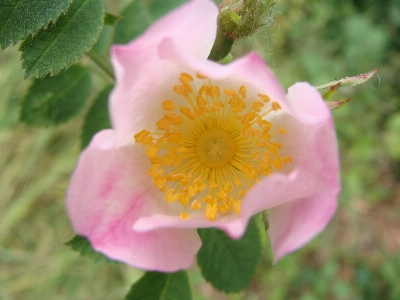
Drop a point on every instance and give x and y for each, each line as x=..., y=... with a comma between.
x=214, y=149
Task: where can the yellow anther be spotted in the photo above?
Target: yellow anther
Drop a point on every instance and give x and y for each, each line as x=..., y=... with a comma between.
x=185, y=78
x=143, y=137
x=276, y=106
x=264, y=98
x=155, y=160
x=163, y=124
x=265, y=136
x=153, y=170
x=286, y=159
x=184, y=216
x=257, y=105
x=175, y=177
x=168, y=105
x=211, y=211
x=221, y=195
x=167, y=159
x=249, y=116
x=159, y=182
x=170, y=196
x=180, y=90
x=274, y=148
x=229, y=92
x=238, y=106
x=201, y=101
x=192, y=190
x=215, y=92
x=187, y=112
x=277, y=163
x=222, y=209
x=242, y=91
x=138, y=136
x=200, y=76
x=196, y=205
x=236, y=207
x=203, y=90
x=151, y=150
x=184, y=199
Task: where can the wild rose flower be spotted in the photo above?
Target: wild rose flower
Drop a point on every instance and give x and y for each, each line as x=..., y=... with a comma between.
x=197, y=144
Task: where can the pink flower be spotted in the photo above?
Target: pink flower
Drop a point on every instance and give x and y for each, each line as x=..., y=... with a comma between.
x=197, y=144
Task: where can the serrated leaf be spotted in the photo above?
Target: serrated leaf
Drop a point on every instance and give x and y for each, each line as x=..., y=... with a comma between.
x=64, y=43
x=81, y=245
x=21, y=18
x=229, y=265
x=53, y=100
x=161, y=286
x=135, y=20
x=97, y=117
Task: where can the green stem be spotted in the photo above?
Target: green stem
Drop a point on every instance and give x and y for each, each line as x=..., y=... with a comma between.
x=221, y=48
x=101, y=62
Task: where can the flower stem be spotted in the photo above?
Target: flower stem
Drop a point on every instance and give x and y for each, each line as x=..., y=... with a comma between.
x=221, y=47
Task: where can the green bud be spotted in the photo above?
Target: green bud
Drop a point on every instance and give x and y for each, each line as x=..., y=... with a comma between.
x=241, y=18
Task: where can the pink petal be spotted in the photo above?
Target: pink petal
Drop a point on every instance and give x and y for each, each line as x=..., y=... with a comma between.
x=316, y=154
x=108, y=192
x=248, y=70
x=141, y=75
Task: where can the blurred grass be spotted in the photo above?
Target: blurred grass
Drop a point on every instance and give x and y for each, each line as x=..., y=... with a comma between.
x=356, y=257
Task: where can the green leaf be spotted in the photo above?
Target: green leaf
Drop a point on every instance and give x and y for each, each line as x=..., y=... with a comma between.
x=21, y=18
x=97, y=117
x=229, y=265
x=161, y=286
x=110, y=19
x=139, y=15
x=135, y=20
x=62, y=44
x=54, y=100
x=82, y=245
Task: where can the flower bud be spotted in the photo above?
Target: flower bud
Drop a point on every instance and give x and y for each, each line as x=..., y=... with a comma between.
x=240, y=18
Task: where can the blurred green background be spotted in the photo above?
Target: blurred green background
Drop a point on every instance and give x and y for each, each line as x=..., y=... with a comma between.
x=356, y=257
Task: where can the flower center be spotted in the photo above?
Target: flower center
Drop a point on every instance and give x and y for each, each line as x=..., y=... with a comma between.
x=207, y=155
x=215, y=148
